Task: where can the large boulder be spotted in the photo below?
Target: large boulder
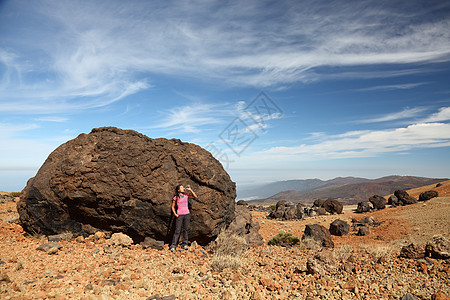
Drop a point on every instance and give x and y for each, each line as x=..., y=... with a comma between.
x=123, y=181
x=425, y=196
x=318, y=233
x=333, y=206
x=364, y=206
x=404, y=198
x=378, y=202
x=393, y=201
x=339, y=227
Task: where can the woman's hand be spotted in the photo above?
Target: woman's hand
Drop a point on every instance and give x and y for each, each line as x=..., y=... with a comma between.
x=176, y=215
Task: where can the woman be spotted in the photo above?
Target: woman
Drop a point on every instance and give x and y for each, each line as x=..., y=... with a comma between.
x=182, y=215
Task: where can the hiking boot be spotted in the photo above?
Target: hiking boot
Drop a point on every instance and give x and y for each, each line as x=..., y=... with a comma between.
x=185, y=247
x=172, y=249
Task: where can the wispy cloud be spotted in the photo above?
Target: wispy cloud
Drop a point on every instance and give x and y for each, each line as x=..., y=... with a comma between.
x=94, y=54
x=442, y=115
x=407, y=113
x=52, y=119
x=393, y=87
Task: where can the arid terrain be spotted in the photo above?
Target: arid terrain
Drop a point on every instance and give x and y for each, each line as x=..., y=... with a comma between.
x=362, y=267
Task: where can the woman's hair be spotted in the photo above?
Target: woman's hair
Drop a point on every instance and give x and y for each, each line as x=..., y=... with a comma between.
x=177, y=192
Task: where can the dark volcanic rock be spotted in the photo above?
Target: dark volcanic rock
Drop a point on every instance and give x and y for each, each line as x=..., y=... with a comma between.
x=393, y=200
x=404, y=198
x=428, y=195
x=339, y=227
x=243, y=225
x=152, y=243
x=364, y=206
x=242, y=202
x=438, y=247
x=122, y=181
x=319, y=202
x=378, y=202
x=333, y=206
x=363, y=230
x=319, y=233
x=412, y=251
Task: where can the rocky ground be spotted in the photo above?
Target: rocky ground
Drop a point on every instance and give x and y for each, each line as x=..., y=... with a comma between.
x=359, y=267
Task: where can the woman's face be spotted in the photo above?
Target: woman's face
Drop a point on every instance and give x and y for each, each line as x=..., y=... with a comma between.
x=181, y=189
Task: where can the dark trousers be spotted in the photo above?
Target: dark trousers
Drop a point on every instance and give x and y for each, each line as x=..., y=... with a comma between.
x=182, y=220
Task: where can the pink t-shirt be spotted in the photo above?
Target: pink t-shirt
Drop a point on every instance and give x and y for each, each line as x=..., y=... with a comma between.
x=182, y=203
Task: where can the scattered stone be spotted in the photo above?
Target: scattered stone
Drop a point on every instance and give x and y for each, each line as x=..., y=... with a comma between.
x=158, y=297
x=333, y=206
x=363, y=231
x=53, y=250
x=152, y=243
x=46, y=247
x=364, y=206
x=320, y=211
x=123, y=181
x=404, y=198
x=412, y=251
x=2, y=263
x=242, y=202
x=79, y=239
x=120, y=239
x=339, y=227
x=440, y=296
x=409, y=296
x=425, y=196
x=56, y=237
x=378, y=202
x=439, y=184
x=319, y=233
x=322, y=263
x=368, y=220
x=438, y=247
x=99, y=235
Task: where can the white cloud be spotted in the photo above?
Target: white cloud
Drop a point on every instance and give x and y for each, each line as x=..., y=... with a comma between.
x=52, y=119
x=407, y=113
x=442, y=115
x=393, y=87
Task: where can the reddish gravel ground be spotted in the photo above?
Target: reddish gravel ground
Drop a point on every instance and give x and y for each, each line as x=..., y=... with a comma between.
x=366, y=267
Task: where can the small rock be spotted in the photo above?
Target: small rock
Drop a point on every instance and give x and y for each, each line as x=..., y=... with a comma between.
x=152, y=243
x=363, y=231
x=4, y=278
x=79, y=239
x=99, y=235
x=319, y=233
x=2, y=263
x=440, y=296
x=56, y=237
x=53, y=250
x=120, y=239
x=46, y=247
x=409, y=296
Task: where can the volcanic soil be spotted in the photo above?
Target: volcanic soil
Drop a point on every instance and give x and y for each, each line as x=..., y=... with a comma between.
x=367, y=267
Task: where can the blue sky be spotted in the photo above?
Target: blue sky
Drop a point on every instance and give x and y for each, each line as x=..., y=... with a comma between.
x=274, y=89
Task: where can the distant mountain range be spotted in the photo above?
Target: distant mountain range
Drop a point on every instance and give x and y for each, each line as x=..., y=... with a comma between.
x=350, y=190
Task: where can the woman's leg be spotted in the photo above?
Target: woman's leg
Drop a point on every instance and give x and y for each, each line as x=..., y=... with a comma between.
x=186, y=221
x=176, y=234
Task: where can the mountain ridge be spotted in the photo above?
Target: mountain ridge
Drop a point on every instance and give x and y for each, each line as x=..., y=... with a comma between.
x=350, y=190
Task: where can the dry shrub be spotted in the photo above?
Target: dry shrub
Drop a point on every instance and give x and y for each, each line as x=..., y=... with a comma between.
x=343, y=253
x=311, y=244
x=284, y=239
x=67, y=235
x=229, y=248
x=229, y=243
